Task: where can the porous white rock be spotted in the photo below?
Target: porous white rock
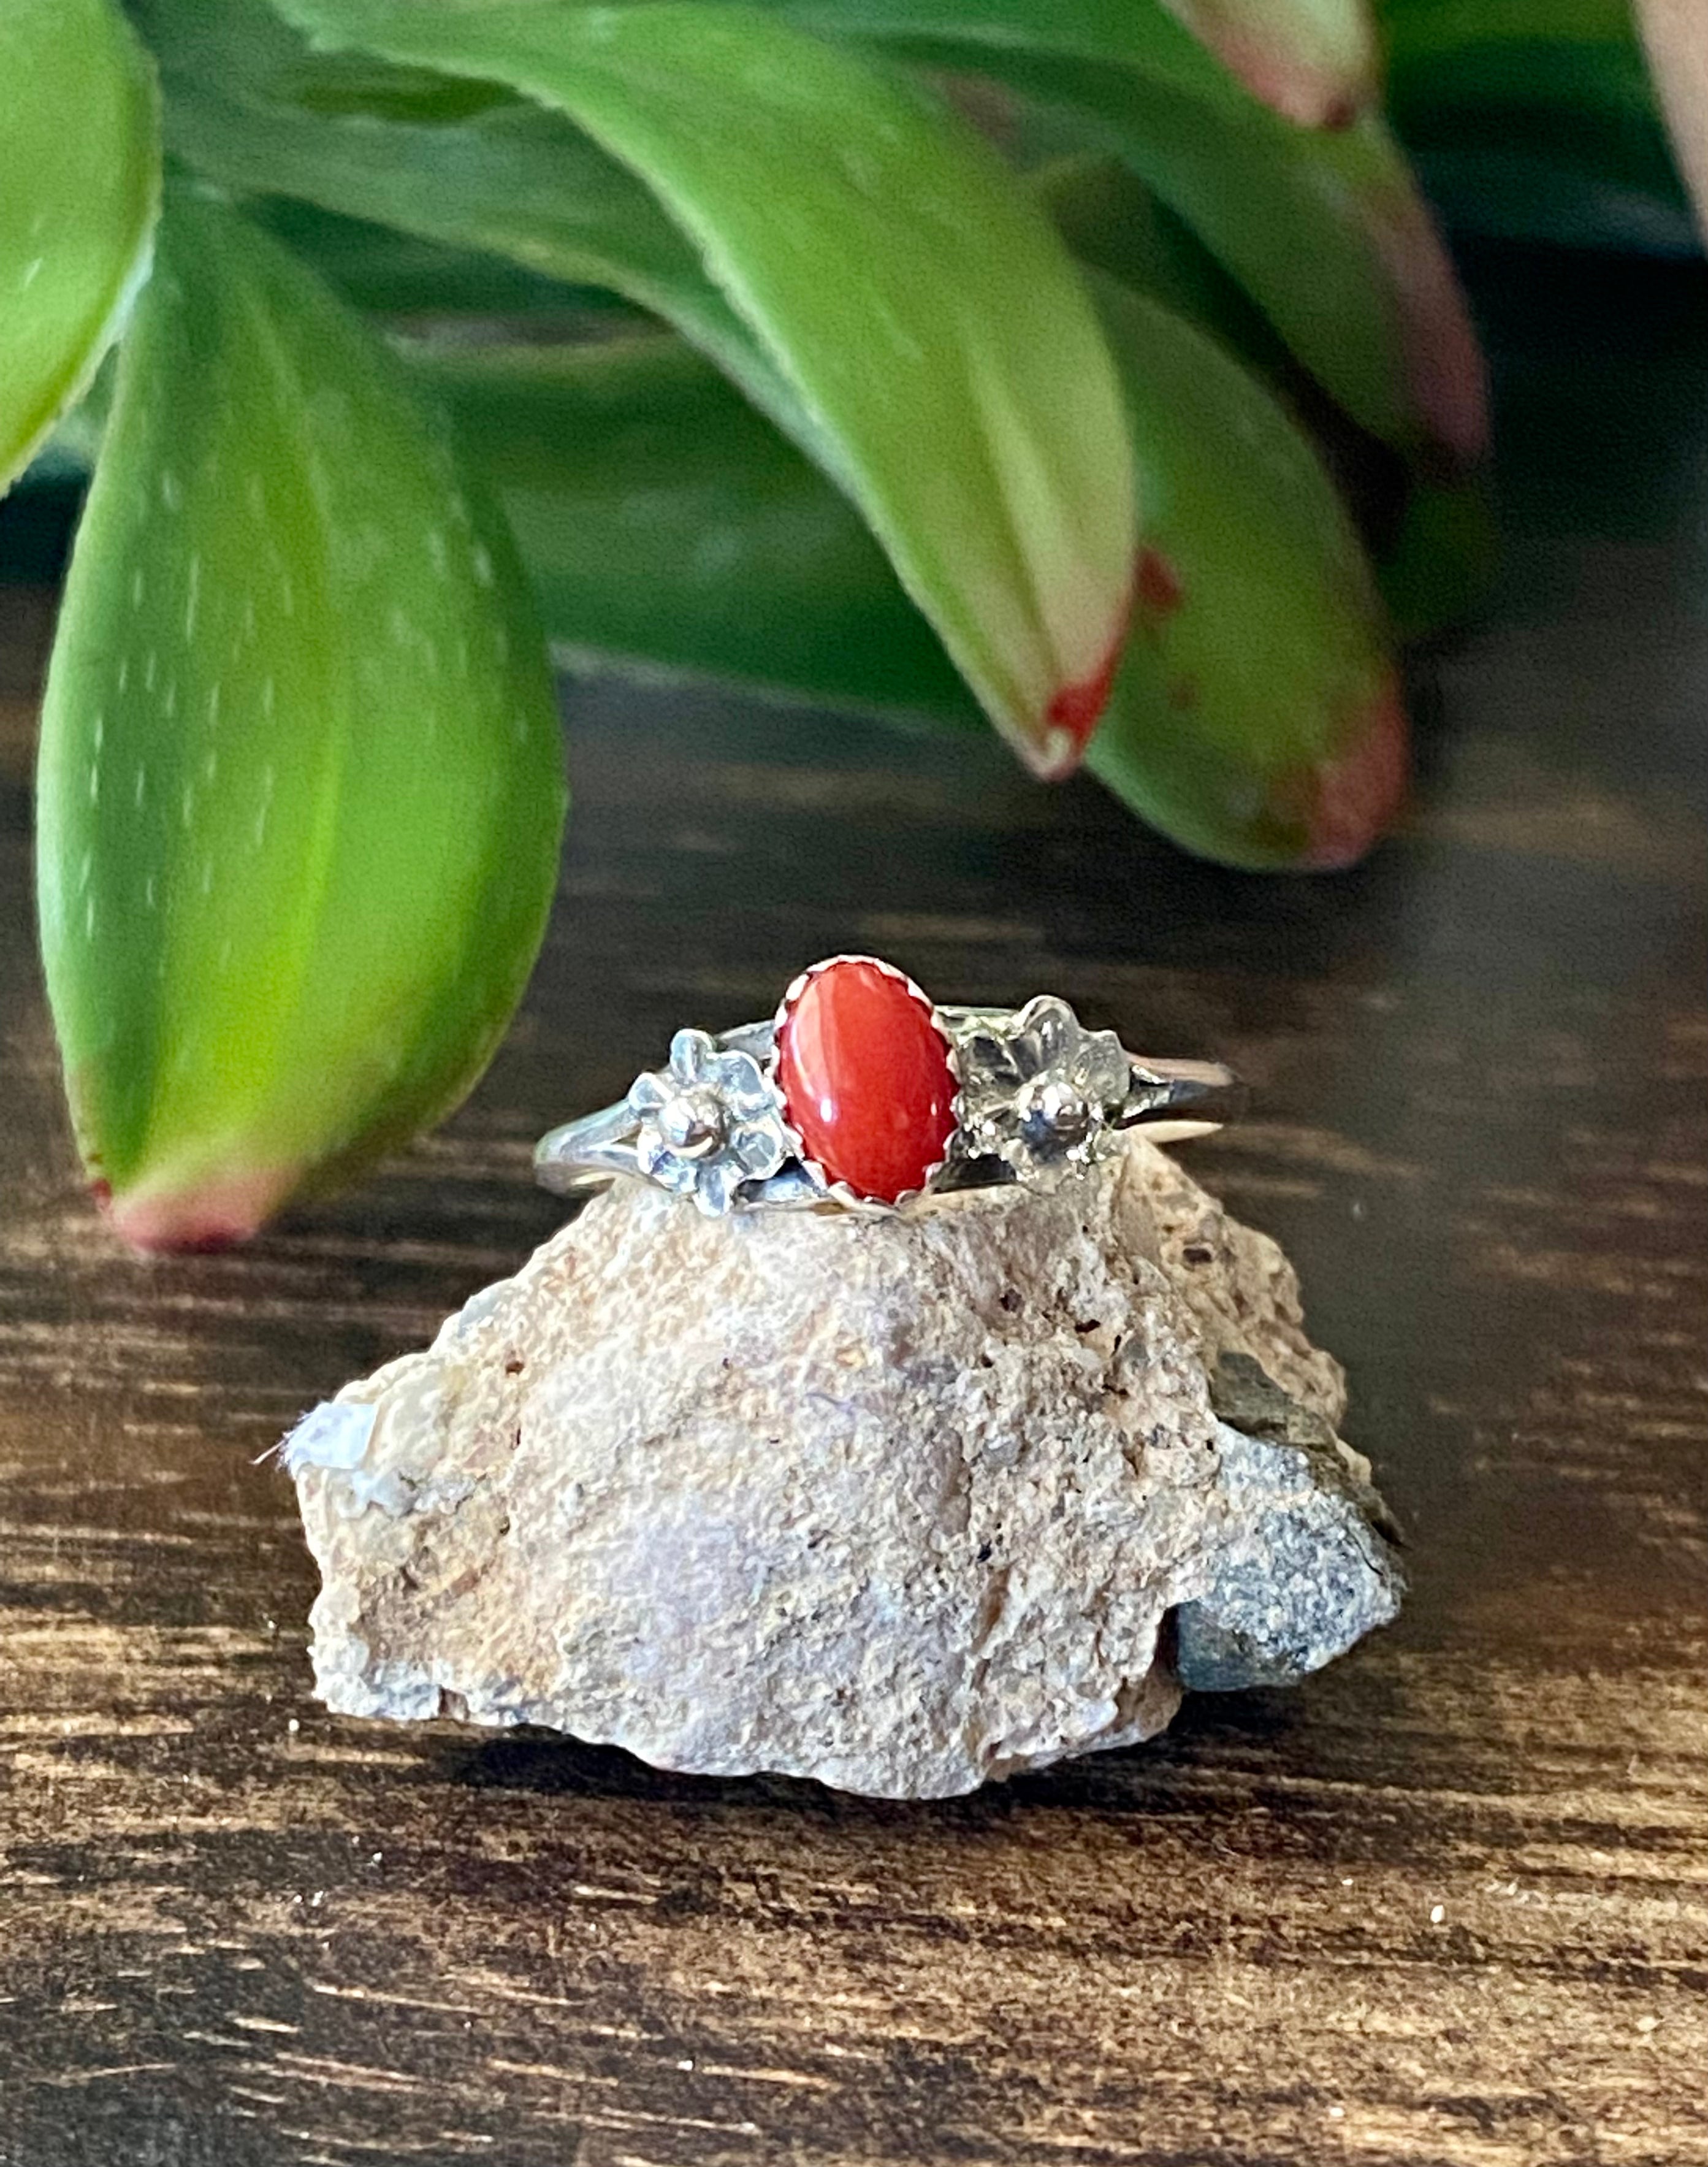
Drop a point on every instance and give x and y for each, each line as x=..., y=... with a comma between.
x=903, y=1504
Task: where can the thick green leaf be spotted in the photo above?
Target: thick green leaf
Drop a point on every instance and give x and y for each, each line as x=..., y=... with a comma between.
x=1114, y=223
x=1325, y=228
x=668, y=527
x=1257, y=716
x=1116, y=33
x=1255, y=719
x=1434, y=542
x=79, y=187
x=1437, y=567
x=903, y=283
x=301, y=781
x=1309, y=59
x=464, y=166
x=386, y=272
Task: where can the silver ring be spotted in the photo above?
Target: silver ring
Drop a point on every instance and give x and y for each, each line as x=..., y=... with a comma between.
x=862, y=1094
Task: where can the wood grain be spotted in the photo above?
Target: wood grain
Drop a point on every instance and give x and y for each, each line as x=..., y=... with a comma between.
x=1447, y=1903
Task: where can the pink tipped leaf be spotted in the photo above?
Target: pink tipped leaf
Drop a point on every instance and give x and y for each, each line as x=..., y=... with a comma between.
x=1313, y=61
x=301, y=784
x=1323, y=227
x=1255, y=718
x=917, y=303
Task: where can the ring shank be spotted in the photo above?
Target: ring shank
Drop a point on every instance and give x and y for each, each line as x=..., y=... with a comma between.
x=1173, y=1099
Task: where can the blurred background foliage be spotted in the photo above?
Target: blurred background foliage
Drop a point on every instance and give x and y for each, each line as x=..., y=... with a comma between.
x=1093, y=368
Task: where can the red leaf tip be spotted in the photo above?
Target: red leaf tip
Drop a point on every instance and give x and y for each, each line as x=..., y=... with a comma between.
x=1316, y=80
x=1075, y=710
x=1444, y=366
x=216, y=1216
x=1346, y=805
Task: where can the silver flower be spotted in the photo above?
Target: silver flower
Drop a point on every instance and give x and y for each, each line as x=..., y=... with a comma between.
x=1038, y=1089
x=707, y=1123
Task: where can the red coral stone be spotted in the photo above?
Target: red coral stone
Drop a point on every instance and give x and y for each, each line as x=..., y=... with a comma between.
x=865, y=1078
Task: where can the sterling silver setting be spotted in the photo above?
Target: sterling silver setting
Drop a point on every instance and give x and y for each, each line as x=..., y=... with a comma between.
x=1042, y=1093
x=707, y=1124
x=1038, y=1097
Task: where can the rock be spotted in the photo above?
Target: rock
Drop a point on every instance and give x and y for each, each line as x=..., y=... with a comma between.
x=902, y=1504
x=1312, y=1570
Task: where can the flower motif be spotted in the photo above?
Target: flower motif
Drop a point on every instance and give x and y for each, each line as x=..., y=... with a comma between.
x=1038, y=1089
x=707, y=1123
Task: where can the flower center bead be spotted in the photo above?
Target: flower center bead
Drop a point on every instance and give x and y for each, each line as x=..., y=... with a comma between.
x=1054, y=1112
x=865, y=1078
x=692, y=1124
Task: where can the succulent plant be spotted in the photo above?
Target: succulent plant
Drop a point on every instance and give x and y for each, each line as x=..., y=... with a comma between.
x=301, y=781
x=957, y=349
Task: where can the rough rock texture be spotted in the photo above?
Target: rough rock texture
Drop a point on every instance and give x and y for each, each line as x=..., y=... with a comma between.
x=902, y=1504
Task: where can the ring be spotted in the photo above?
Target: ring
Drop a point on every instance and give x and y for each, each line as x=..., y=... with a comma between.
x=862, y=1094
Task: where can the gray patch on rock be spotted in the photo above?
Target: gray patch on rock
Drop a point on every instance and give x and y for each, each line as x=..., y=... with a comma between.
x=1315, y=1567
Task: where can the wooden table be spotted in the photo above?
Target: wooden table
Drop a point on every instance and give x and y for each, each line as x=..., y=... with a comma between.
x=1448, y=1902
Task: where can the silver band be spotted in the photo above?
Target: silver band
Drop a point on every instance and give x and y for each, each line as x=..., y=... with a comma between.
x=1037, y=1095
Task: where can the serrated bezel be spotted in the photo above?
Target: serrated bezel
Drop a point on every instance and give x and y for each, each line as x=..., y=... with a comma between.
x=839, y=1192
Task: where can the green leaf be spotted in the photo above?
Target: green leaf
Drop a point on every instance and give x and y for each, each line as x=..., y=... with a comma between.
x=1255, y=719
x=385, y=272
x=1437, y=568
x=1313, y=61
x=1434, y=541
x=1324, y=228
x=1114, y=223
x=917, y=303
x=301, y=785
x=79, y=187
x=668, y=527
x=464, y=166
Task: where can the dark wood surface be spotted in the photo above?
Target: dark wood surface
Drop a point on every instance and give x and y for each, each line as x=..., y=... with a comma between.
x=1448, y=1902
